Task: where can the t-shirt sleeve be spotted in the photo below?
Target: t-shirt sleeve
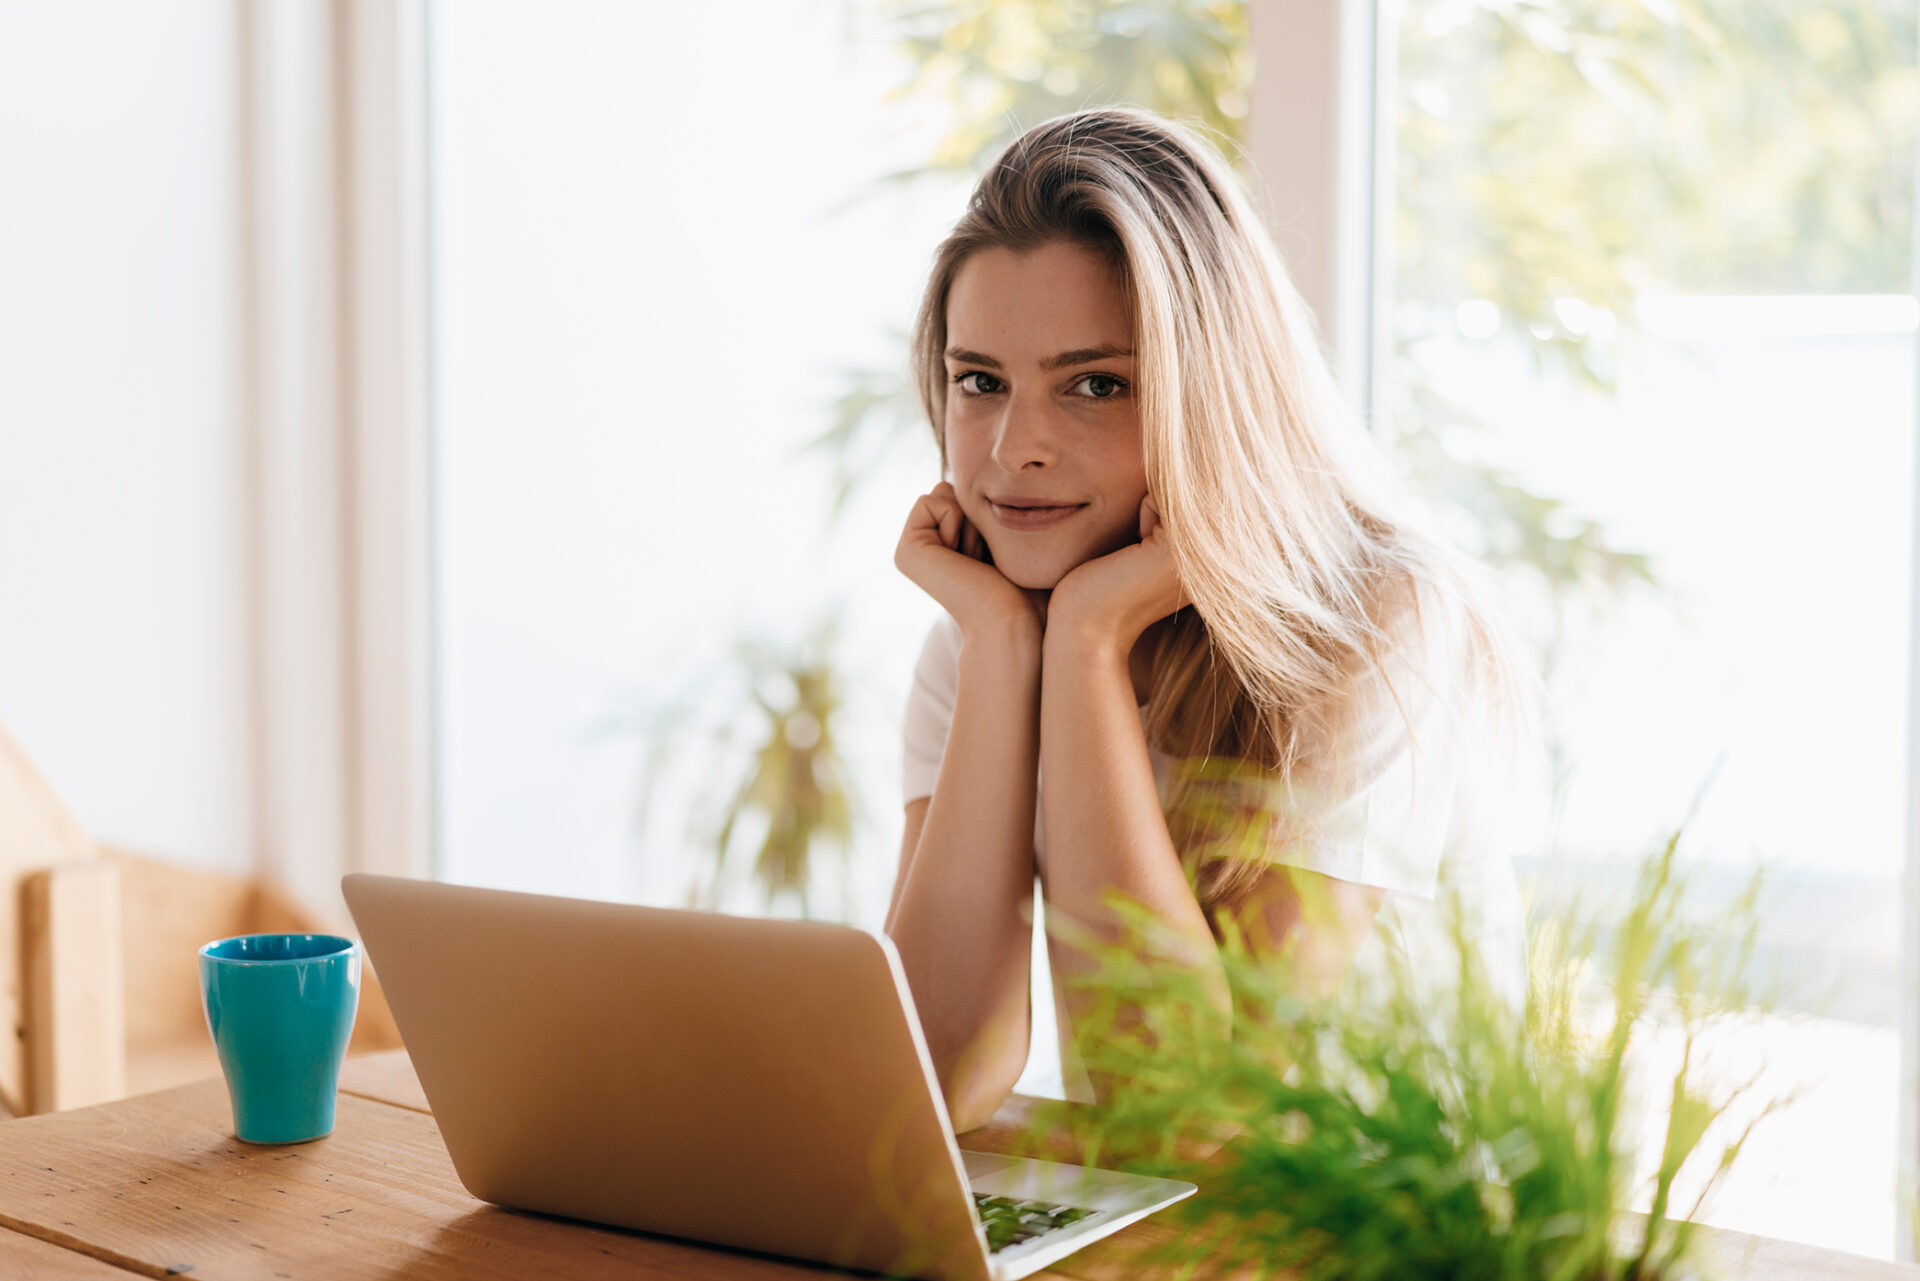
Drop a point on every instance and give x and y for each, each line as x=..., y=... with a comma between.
x=929, y=711
x=1383, y=811
x=1376, y=802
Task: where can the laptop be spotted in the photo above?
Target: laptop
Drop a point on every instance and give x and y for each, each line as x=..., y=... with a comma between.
x=760, y=1084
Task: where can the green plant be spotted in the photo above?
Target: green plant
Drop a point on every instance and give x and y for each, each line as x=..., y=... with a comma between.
x=772, y=766
x=1003, y=65
x=1400, y=1139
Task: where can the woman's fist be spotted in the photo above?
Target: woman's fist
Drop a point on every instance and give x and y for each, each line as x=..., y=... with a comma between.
x=945, y=556
x=1121, y=594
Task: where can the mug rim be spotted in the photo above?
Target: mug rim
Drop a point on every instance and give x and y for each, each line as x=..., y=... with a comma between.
x=348, y=947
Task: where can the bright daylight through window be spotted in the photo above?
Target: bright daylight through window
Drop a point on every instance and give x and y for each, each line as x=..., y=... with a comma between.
x=1649, y=345
x=1644, y=343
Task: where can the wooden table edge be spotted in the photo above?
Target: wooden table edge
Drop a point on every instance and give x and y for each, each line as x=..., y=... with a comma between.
x=386, y=1079
x=75, y=1245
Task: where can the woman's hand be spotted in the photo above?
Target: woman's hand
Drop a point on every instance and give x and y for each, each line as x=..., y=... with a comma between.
x=1118, y=596
x=944, y=555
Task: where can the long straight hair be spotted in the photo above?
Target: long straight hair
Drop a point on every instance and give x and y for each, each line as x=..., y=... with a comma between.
x=1311, y=584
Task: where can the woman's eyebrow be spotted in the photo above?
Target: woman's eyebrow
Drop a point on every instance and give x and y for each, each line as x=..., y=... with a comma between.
x=1065, y=360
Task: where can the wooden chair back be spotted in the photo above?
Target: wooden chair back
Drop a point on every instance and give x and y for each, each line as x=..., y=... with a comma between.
x=38, y=835
x=99, y=976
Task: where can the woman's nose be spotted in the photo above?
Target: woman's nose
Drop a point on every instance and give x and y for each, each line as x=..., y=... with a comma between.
x=1025, y=436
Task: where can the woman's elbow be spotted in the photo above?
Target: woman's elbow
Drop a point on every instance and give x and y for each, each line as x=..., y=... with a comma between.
x=973, y=1104
x=982, y=1077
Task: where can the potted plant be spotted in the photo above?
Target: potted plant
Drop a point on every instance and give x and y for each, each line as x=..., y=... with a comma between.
x=757, y=746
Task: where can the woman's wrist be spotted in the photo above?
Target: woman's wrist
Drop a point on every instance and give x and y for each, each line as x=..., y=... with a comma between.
x=1007, y=637
x=1076, y=637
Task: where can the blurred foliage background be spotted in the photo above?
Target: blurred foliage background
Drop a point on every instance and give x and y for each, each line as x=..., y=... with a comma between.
x=772, y=713
x=1534, y=146
x=1550, y=162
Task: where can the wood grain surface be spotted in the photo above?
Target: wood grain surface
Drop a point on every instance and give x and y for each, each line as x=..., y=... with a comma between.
x=386, y=1078
x=158, y=1186
x=25, y=1258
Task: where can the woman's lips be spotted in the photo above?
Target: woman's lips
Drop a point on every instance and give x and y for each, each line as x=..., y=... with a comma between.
x=1032, y=517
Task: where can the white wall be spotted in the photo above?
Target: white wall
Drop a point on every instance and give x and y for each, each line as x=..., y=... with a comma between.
x=123, y=624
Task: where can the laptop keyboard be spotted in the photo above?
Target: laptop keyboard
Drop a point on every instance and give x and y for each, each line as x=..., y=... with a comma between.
x=1009, y=1221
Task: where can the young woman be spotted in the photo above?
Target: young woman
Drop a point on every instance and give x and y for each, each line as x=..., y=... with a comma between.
x=1176, y=588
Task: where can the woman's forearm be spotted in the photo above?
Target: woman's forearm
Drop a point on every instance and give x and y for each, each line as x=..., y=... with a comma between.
x=1103, y=825
x=962, y=920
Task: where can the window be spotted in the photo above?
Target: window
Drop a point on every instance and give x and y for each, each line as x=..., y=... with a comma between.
x=1651, y=351
x=658, y=279
x=1646, y=343
x=647, y=303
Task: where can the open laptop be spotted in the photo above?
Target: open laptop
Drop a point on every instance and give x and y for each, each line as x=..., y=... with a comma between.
x=762, y=1084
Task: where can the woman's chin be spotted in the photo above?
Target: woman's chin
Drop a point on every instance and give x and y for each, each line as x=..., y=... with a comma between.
x=1034, y=578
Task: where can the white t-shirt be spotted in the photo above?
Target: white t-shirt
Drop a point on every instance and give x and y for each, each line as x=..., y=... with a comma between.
x=1429, y=813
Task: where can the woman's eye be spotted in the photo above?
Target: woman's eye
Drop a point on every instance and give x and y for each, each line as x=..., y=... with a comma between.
x=1118, y=385
x=961, y=381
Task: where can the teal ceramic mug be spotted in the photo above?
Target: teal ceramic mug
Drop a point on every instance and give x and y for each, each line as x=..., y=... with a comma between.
x=281, y=1008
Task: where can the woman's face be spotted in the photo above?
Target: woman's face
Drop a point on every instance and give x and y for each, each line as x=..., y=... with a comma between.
x=1043, y=409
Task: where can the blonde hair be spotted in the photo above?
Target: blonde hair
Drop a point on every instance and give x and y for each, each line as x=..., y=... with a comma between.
x=1308, y=580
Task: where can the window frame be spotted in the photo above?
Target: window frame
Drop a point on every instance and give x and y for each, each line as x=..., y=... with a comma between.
x=1322, y=173
x=337, y=398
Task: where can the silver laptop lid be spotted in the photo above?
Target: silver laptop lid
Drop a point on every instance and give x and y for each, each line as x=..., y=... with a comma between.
x=754, y=1083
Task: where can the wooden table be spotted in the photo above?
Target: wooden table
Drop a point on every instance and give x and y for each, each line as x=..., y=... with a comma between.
x=157, y=1186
